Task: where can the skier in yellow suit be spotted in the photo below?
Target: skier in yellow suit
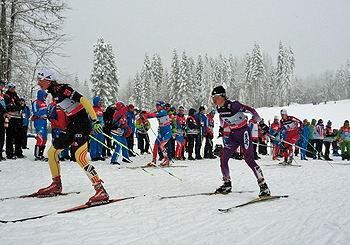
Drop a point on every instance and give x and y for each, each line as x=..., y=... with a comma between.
x=77, y=108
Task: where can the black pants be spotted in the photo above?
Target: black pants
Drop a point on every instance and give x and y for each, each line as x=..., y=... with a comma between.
x=24, y=135
x=143, y=142
x=14, y=137
x=319, y=144
x=2, y=135
x=208, y=148
x=190, y=143
x=198, y=145
x=108, y=142
x=130, y=143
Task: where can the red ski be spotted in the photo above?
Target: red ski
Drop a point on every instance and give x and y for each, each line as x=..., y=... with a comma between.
x=81, y=207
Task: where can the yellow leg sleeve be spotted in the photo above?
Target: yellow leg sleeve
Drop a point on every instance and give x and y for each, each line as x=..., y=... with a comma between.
x=80, y=156
x=54, y=163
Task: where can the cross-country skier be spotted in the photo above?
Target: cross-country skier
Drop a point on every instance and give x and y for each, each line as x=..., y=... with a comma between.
x=275, y=143
x=95, y=147
x=77, y=108
x=344, y=136
x=39, y=108
x=290, y=124
x=232, y=117
x=164, y=134
x=180, y=131
x=120, y=131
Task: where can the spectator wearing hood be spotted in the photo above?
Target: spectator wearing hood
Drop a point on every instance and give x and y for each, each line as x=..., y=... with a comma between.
x=192, y=131
x=95, y=146
x=14, y=130
x=130, y=120
x=209, y=135
x=25, y=115
x=39, y=108
x=3, y=115
x=344, y=136
x=319, y=133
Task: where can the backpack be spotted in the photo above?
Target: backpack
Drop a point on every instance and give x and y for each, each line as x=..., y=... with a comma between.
x=108, y=117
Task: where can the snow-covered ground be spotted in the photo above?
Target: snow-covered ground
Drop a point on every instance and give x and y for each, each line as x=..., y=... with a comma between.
x=316, y=211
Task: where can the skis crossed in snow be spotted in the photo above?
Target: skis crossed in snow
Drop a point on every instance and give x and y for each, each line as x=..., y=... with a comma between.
x=80, y=207
x=259, y=199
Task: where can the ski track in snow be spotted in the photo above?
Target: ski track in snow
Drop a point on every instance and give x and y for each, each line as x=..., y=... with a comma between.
x=316, y=211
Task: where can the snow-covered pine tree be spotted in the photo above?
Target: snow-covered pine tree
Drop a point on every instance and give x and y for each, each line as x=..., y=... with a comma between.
x=280, y=75
x=183, y=94
x=157, y=74
x=198, y=85
x=85, y=91
x=104, y=74
x=258, y=76
x=138, y=91
x=232, y=81
x=249, y=90
x=165, y=95
x=76, y=84
x=174, y=79
x=289, y=72
x=147, y=96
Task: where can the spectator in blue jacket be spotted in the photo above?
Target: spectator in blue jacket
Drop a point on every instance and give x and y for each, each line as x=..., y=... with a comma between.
x=25, y=115
x=203, y=122
x=130, y=120
x=305, y=140
x=39, y=108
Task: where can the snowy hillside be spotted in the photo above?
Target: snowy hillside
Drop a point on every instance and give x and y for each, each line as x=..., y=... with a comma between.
x=316, y=211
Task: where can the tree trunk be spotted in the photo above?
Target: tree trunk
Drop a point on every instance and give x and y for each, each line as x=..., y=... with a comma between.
x=11, y=42
x=3, y=39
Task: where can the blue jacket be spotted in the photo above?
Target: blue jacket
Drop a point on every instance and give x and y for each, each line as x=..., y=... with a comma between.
x=130, y=119
x=26, y=112
x=201, y=119
x=39, y=109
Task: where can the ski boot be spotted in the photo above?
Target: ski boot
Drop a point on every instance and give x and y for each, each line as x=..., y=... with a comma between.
x=290, y=160
x=264, y=189
x=225, y=188
x=165, y=162
x=285, y=162
x=100, y=196
x=153, y=163
x=53, y=189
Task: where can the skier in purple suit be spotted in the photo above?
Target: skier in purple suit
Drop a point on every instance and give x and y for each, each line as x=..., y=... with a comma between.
x=233, y=119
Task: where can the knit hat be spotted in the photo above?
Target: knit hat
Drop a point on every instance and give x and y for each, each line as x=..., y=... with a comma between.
x=181, y=108
x=313, y=121
x=283, y=112
x=220, y=90
x=329, y=122
x=212, y=111
x=276, y=117
x=161, y=103
x=11, y=85
x=47, y=74
x=201, y=108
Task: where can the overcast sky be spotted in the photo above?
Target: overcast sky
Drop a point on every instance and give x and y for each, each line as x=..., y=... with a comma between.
x=317, y=30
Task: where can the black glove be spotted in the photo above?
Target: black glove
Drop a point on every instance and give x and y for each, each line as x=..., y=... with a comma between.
x=221, y=132
x=300, y=130
x=264, y=128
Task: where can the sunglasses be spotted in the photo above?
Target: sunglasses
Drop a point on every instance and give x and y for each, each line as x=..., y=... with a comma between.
x=11, y=86
x=215, y=95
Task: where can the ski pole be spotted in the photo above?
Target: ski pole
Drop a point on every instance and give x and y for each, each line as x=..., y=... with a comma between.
x=291, y=151
x=316, y=150
x=163, y=168
x=281, y=140
x=92, y=137
x=159, y=144
x=120, y=143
